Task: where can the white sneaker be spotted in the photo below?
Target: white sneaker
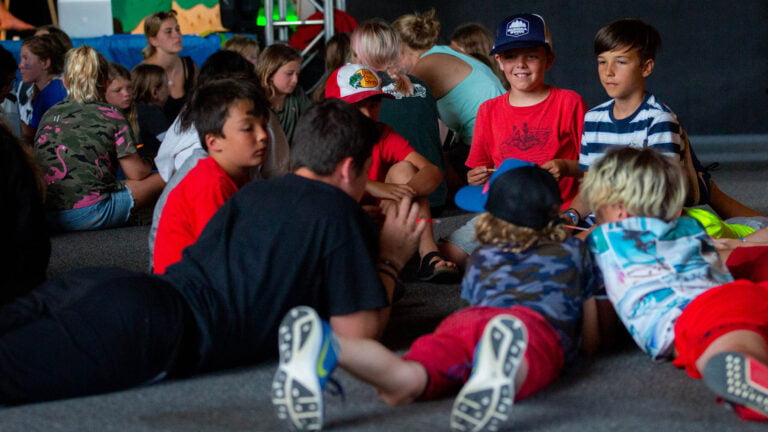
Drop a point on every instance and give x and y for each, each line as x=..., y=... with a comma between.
x=487, y=397
x=308, y=356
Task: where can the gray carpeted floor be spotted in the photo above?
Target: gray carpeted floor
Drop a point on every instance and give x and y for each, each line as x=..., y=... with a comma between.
x=621, y=391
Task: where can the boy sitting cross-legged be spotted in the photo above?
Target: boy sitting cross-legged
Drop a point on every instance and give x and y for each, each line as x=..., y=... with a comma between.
x=626, y=52
x=533, y=121
x=231, y=118
x=397, y=169
x=667, y=282
x=527, y=285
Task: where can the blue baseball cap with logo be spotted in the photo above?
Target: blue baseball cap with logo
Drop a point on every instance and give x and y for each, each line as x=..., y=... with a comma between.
x=521, y=31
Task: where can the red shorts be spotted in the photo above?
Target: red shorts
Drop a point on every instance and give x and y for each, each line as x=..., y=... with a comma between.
x=739, y=305
x=447, y=353
x=749, y=263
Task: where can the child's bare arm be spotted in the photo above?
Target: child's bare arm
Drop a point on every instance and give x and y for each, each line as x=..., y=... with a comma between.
x=428, y=175
x=391, y=191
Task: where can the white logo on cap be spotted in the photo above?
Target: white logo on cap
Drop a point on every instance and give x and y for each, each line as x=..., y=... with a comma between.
x=517, y=27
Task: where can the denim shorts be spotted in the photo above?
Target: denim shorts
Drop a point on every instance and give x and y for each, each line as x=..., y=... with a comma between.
x=466, y=237
x=112, y=211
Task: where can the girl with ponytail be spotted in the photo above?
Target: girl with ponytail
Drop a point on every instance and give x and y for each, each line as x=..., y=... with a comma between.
x=80, y=144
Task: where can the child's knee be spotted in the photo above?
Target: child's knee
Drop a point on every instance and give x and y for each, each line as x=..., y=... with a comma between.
x=401, y=172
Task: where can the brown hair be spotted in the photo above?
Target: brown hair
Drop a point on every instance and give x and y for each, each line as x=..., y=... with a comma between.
x=418, y=30
x=337, y=53
x=47, y=47
x=152, y=25
x=477, y=41
x=271, y=59
x=57, y=33
x=147, y=78
x=513, y=238
x=241, y=43
x=630, y=33
x=115, y=71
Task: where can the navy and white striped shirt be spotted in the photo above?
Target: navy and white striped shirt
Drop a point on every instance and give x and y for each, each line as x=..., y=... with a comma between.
x=653, y=125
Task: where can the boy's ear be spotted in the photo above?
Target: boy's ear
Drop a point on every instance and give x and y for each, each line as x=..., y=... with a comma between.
x=497, y=58
x=345, y=170
x=647, y=68
x=213, y=142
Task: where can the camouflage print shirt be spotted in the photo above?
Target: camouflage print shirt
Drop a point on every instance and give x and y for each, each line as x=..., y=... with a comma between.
x=553, y=279
x=78, y=146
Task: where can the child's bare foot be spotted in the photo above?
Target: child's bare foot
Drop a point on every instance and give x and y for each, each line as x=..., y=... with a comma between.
x=436, y=268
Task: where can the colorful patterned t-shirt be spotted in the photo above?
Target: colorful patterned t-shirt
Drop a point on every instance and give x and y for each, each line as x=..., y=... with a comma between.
x=652, y=269
x=78, y=146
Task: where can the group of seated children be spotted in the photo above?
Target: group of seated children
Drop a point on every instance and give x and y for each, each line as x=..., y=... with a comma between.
x=531, y=287
x=537, y=159
x=669, y=282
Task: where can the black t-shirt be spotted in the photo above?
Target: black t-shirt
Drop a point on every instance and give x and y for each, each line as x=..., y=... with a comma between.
x=274, y=245
x=152, y=122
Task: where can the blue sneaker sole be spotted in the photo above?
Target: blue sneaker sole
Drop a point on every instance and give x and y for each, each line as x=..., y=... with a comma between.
x=296, y=391
x=484, y=402
x=738, y=379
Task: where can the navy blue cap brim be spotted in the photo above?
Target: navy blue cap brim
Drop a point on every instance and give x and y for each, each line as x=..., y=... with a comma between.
x=515, y=45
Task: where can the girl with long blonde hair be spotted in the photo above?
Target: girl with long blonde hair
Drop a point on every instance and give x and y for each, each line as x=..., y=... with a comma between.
x=79, y=145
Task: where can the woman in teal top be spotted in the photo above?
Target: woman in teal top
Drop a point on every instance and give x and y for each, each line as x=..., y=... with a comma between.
x=460, y=83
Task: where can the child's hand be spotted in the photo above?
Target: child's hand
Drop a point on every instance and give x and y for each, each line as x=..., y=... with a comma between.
x=557, y=167
x=478, y=176
x=390, y=191
x=400, y=233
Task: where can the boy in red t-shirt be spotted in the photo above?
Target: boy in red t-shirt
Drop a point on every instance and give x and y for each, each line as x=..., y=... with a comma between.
x=533, y=121
x=231, y=118
x=397, y=170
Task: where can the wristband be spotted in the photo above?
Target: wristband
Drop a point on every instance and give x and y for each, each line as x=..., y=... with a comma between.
x=573, y=215
x=741, y=239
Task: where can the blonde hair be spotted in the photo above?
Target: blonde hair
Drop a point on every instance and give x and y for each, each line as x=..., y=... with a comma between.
x=514, y=238
x=241, y=44
x=271, y=59
x=377, y=46
x=147, y=78
x=152, y=25
x=86, y=73
x=115, y=71
x=418, y=31
x=645, y=182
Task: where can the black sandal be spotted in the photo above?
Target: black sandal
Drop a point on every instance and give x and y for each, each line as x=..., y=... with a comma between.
x=428, y=270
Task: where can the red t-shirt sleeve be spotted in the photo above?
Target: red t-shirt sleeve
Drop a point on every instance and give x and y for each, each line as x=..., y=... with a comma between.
x=188, y=209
